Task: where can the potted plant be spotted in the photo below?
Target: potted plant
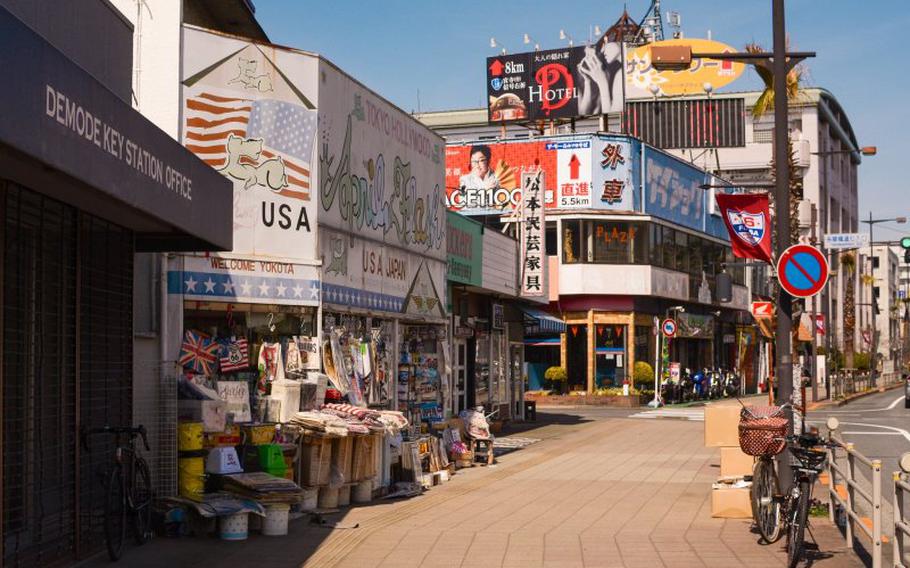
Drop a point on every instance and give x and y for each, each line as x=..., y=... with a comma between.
x=557, y=377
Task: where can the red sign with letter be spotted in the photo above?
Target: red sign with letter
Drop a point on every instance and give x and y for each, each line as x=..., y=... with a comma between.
x=749, y=224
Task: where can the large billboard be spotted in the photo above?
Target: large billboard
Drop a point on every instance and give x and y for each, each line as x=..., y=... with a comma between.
x=250, y=113
x=578, y=172
x=382, y=208
x=555, y=84
x=642, y=77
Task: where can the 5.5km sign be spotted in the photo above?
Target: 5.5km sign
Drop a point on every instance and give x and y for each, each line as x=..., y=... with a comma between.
x=802, y=271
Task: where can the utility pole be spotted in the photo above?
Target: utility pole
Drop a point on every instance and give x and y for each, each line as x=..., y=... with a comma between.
x=873, y=359
x=784, y=341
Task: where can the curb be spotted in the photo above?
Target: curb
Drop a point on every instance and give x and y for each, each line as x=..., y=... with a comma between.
x=851, y=398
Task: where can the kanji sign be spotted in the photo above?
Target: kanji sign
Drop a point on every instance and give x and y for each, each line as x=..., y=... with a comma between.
x=802, y=271
x=532, y=226
x=668, y=327
x=762, y=310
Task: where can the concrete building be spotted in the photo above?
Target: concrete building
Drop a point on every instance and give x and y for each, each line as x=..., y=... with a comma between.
x=825, y=147
x=881, y=293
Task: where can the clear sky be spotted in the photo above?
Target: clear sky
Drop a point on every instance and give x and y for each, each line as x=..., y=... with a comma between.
x=437, y=49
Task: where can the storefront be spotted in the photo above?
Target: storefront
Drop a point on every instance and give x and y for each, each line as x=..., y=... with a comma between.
x=86, y=183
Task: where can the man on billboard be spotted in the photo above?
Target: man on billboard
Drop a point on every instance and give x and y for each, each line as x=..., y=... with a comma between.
x=481, y=175
x=600, y=70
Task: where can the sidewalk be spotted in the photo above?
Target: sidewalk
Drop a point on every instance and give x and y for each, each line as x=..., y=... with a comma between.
x=602, y=493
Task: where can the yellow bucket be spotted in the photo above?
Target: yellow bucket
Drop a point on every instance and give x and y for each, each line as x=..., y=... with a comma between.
x=189, y=436
x=191, y=477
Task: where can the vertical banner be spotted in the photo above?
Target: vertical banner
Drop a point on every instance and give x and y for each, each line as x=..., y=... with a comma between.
x=532, y=243
x=748, y=222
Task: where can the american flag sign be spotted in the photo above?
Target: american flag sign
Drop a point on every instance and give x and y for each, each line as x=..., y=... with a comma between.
x=235, y=356
x=286, y=131
x=199, y=352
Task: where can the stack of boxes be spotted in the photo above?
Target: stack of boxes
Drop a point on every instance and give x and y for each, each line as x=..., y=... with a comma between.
x=730, y=496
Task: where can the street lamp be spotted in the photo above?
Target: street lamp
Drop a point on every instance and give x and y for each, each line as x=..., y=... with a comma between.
x=872, y=222
x=564, y=36
x=865, y=151
x=528, y=40
x=494, y=44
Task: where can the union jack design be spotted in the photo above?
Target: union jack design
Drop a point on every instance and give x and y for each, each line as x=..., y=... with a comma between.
x=199, y=352
x=287, y=131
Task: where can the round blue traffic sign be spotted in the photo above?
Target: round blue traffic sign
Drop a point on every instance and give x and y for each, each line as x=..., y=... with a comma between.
x=668, y=327
x=802, y=271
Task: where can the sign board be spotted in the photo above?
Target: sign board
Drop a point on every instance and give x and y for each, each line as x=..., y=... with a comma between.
x=668, y=327
x=559, y=83
x=674, y=372
x=464, y=248
x=840, y=241
x=656, y=326
x=802, y=271
x=762, y=310
x=498, y=317
x=641, y=74
x=820, y=324
x=532, y=236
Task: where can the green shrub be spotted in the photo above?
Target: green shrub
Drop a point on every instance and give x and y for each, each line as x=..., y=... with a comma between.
x=861, y=361
x=643, y=372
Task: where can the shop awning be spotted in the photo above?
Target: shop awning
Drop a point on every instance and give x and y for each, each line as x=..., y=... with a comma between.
x=539, y=321
x=542, y=342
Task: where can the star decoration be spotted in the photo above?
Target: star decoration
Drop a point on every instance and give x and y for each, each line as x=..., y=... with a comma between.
x=228, y=287
x=246, y=287
x=209, y=285
x=263, y=289
x=190, y=285
x=314, y=291
x=281, y=289
x=298, y=291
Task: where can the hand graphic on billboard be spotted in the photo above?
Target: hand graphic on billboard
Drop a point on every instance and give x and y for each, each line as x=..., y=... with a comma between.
x=600, y=89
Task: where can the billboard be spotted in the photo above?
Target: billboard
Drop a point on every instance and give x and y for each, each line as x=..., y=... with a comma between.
x=641, y=75
x=484, y=179
x=382, y=207
x=555, y=84
x=250, y=113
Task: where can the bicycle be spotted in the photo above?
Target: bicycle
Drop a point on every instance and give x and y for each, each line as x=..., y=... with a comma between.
x=129, y=489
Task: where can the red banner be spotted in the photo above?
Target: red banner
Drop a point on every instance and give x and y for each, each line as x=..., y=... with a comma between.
x=749, y=224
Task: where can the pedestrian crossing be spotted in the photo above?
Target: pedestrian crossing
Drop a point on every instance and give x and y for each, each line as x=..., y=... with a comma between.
x=692, y=414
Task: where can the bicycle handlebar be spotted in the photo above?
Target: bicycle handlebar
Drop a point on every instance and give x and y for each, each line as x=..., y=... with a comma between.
x=116, y=431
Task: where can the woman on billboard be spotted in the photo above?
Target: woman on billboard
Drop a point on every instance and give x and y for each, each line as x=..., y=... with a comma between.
x=600, y=91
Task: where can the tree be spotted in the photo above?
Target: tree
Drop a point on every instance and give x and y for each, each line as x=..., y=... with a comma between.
x=848, y=263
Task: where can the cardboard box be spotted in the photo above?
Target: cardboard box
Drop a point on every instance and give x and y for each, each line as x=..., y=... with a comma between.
x=734, y=463
x=722, y=425
x=212, y=413
x=731, y=503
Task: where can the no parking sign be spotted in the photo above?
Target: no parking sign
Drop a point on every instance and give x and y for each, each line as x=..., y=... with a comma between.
x=802, y=271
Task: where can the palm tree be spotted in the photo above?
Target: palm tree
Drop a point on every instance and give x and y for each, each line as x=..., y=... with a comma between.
x=848, y=262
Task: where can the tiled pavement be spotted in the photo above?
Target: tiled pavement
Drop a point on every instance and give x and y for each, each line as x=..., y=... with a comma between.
x=604, y=493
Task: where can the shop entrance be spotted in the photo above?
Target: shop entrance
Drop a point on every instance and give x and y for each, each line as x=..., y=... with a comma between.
x=461, y=375
x=577, y=356
x=610, y=363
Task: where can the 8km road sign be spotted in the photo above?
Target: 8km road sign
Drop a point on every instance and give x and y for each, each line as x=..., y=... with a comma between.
x=668, y=327
x=802, y=271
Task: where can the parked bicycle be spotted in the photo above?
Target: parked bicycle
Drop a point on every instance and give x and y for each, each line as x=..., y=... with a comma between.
x=763, y=435
x=128, y=499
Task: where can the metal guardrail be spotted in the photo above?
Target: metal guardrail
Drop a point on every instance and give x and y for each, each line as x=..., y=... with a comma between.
x=854, y=489
x=901, y=526
x=848, y=382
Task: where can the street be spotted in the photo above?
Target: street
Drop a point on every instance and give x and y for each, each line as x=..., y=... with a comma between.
x=597, y=490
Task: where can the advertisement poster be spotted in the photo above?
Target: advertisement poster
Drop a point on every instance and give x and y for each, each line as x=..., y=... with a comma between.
x=251, y=115
x=641, y=74
x=556, y=83
x=533, y=277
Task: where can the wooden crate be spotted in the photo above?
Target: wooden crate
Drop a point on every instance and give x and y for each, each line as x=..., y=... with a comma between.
x=342, y=456
x=315, y=462
x=365, y=457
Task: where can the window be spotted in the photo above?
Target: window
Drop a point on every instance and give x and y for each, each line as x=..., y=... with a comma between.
x=874, y=262
x=550, y=241
x=613, y=242
x=571, y=241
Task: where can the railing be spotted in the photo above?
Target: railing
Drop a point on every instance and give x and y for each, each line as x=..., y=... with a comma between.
x=850, y=381
x=901, y=527
x=852, y=517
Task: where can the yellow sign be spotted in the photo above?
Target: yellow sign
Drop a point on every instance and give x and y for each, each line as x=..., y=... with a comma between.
x=641, y=77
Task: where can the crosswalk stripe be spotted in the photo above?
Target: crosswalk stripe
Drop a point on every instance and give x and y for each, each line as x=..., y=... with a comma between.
x=692, y=414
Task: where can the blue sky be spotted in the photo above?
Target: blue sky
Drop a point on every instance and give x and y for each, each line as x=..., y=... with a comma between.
x=400, y=47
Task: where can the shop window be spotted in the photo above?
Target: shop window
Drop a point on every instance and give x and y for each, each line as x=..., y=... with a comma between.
x=644, y=344
x=612, y=242
x=668, y=246
x=681, y=260
x=611, y=363
x=550, y=241
x=571, y=241
x=656, y=248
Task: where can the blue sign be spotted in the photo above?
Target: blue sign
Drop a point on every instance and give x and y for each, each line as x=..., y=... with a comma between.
x=568, y=145
x=802, y=271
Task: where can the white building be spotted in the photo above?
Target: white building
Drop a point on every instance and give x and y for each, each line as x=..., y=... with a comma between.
x=880, y=291
x=825, y=147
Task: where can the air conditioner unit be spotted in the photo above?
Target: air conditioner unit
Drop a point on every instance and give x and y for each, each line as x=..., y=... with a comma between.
x=803, y=153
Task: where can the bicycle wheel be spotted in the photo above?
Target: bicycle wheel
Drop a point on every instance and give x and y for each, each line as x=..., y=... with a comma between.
x=141, y=501
x=115, y=513
x=765, y=507
x=797, y=531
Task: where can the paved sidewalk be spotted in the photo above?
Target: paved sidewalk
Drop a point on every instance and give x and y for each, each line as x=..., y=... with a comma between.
x=603, y=493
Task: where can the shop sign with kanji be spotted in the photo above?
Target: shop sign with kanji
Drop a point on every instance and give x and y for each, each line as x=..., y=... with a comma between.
x=533, y=258
x=612, y=185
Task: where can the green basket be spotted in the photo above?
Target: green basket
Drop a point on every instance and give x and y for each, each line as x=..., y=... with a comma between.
x=271, y=459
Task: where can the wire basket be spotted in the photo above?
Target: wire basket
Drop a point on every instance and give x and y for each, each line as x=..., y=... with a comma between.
x=809, y=458
x=762, y=430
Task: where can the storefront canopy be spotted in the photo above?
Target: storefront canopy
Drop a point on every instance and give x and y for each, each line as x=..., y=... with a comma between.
x=65, y=134
x=539, y=321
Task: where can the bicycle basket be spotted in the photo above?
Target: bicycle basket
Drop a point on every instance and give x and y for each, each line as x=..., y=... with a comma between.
x=762, y=430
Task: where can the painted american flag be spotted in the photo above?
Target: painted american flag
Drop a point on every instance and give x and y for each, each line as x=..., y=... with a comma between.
x=287, y=130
